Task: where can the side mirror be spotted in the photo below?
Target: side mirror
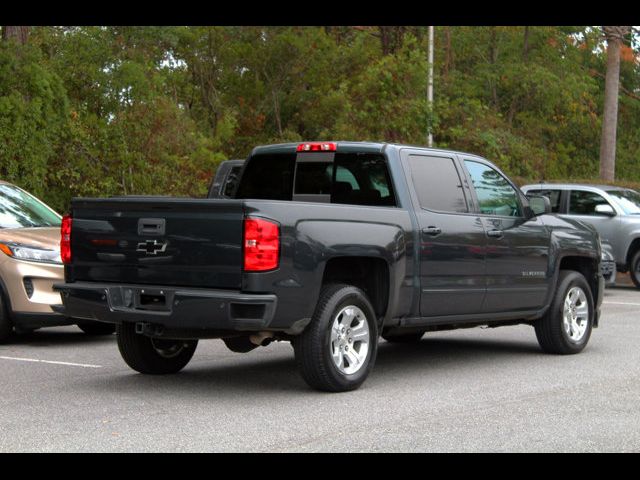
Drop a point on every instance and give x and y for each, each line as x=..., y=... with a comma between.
x=539, y=204
x=605, y=209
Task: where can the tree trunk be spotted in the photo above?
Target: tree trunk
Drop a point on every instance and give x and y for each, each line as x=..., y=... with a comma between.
x=448, y=53
x=18, y=34
x=276, y=110
x=525, y=47
x=391, y=38
x=614, y=36
x=493, y=58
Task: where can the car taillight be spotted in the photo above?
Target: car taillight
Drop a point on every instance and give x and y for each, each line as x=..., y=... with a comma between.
x=261, y=245
x=316, y=147
x=65, y=239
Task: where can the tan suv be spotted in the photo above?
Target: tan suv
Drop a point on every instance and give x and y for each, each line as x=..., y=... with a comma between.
x=30, y=264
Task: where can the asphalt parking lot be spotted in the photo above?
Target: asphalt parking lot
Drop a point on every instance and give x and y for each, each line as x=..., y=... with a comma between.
x=466, y=390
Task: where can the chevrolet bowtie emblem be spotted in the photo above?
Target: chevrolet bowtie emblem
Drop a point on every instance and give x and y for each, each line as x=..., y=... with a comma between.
x=151, y=247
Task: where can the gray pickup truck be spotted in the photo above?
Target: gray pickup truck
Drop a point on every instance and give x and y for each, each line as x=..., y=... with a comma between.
x=613, y=211
x=330, y=245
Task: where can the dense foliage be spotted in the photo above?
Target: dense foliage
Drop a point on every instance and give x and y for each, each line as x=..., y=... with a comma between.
x=153, y=110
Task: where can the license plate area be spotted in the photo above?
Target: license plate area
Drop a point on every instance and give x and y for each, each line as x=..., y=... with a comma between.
x=152, y=299
x=148, y=299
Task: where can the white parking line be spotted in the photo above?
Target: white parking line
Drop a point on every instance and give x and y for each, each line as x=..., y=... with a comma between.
x=622, y=303
x=85, y=365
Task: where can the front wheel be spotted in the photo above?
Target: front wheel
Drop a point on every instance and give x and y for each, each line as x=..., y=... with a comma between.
x=153, y=356
x=338, y=348
x=634, y=270
x=566, y=327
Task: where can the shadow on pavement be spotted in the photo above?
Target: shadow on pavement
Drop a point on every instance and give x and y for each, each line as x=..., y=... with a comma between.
x=49, y=337
x=260, y=374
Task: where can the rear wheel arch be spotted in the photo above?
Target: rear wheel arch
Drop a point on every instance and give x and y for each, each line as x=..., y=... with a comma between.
x=370, y=274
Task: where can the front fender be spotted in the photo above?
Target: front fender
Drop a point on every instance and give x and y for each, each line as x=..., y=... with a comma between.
x=570, y=238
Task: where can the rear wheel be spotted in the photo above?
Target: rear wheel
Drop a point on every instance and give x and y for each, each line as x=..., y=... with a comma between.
x=97, y=328
x=634, y=269
x=153, y=356
x=566, y=327
x=338, y=348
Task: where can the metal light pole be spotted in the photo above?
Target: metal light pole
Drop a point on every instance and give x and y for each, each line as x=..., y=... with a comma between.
x=430, y=85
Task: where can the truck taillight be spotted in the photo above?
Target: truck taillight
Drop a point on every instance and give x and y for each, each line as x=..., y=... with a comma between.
x=261, y=245
x=65, y=239
x=316, y=147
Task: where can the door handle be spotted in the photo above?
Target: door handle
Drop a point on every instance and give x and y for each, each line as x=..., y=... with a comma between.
x=495, y=233
x=433, y=231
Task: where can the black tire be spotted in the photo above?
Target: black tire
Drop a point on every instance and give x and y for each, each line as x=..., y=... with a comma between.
x=97, y=328
x=153, y=356
x=413, y=337
x=551, y=334
x=6, y=325
x=313, y=348
x=634, y=269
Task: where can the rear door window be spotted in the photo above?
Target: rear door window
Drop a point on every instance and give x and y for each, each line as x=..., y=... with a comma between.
x=437, y=184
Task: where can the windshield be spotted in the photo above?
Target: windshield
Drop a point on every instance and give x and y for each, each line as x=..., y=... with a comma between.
x=627, y=200
x=19, y=209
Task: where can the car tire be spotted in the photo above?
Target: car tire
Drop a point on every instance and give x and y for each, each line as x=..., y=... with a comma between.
x=413, y=337
x=634, y=269
x=566, y=327
x=6, y=325
x=97, y=328
x=337, y=350
x=153, y=356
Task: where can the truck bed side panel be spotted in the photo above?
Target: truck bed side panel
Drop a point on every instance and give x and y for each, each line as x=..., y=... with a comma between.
x=314, y=233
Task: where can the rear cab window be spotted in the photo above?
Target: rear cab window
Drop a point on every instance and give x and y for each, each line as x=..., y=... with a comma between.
x=326, y=177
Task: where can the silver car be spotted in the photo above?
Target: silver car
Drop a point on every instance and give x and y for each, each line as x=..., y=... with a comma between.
x=613, y=211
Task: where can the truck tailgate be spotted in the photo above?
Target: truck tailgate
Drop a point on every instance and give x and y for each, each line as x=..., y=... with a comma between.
x=157, y=240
